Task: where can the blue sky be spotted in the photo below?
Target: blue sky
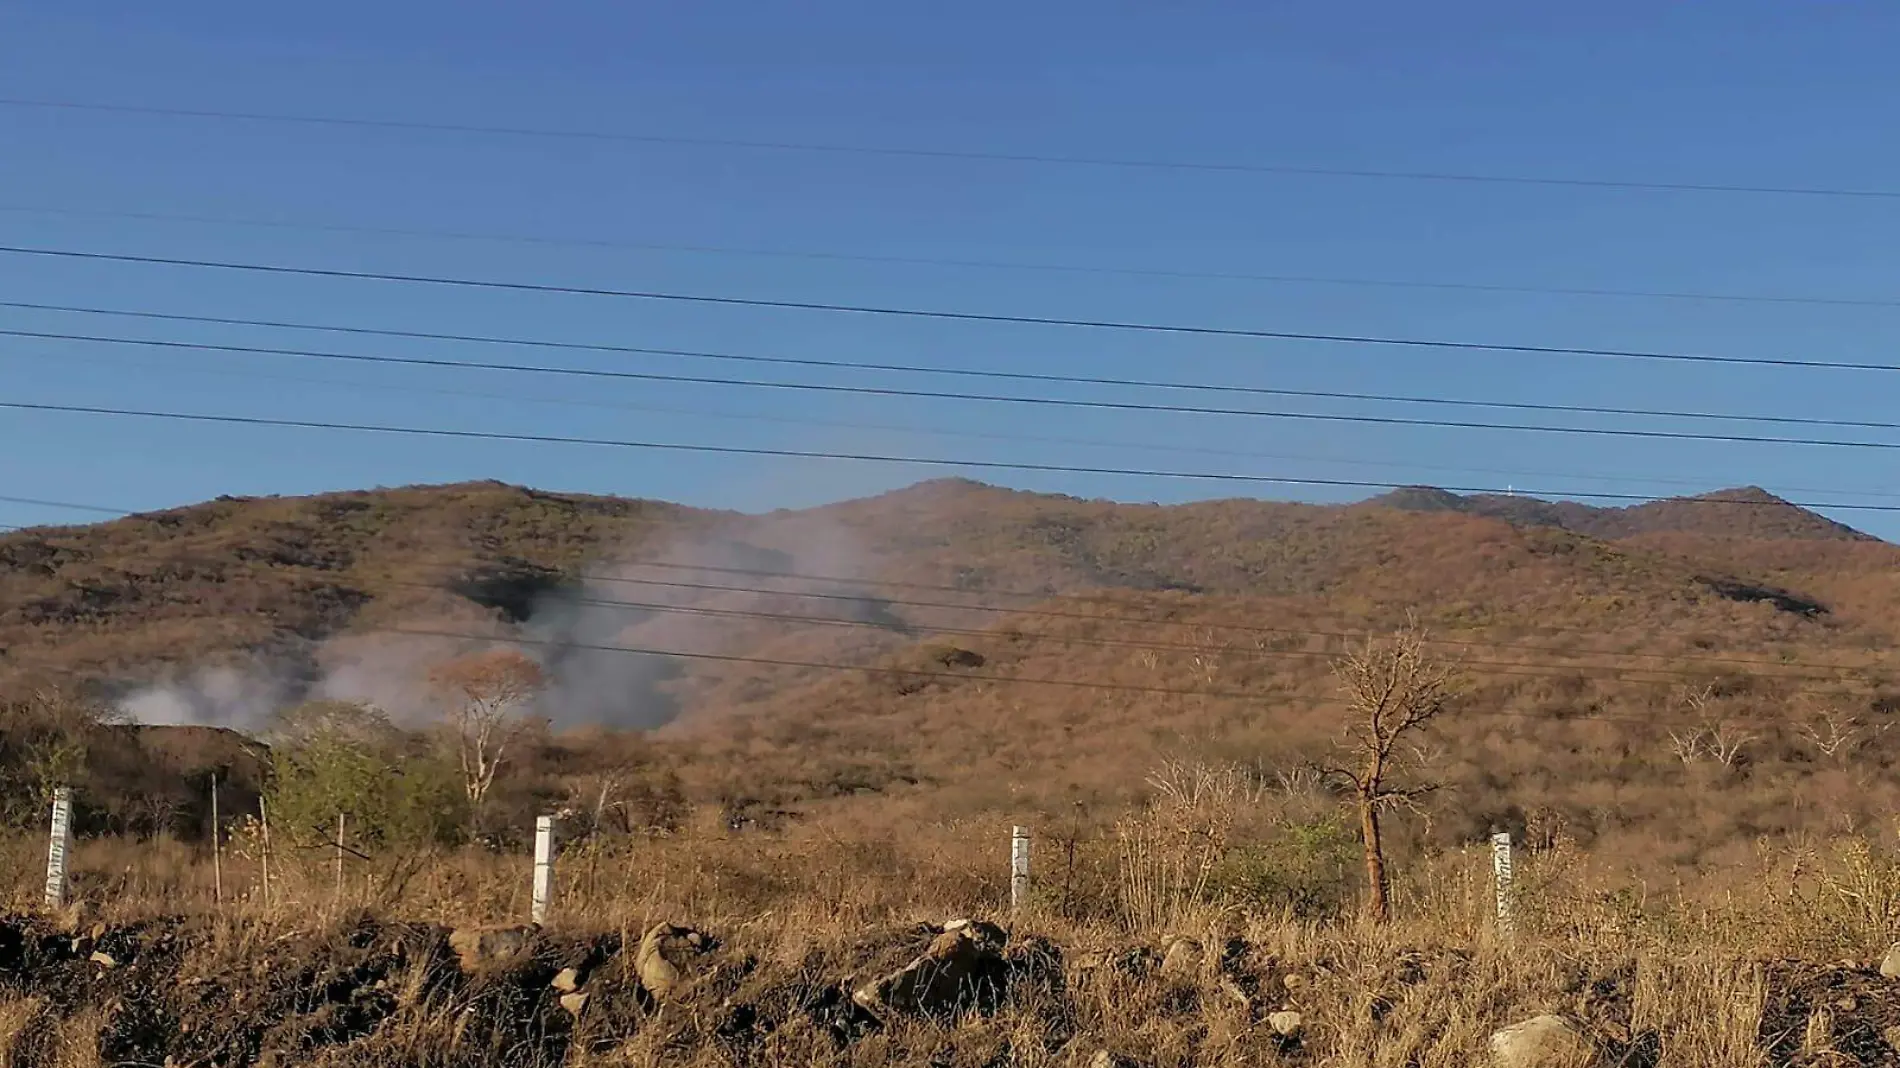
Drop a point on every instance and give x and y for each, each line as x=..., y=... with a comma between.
x=1740, y=93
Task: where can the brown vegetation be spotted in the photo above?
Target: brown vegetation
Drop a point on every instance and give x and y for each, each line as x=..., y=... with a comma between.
x=1682, y=712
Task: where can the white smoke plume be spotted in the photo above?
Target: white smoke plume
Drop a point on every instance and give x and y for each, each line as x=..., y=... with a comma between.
x=700, y=595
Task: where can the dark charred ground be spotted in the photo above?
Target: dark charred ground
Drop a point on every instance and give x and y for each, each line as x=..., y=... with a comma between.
x=368, y=991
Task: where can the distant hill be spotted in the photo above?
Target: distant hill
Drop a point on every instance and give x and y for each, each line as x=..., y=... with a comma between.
x=1745, y=512
x=1023, y=649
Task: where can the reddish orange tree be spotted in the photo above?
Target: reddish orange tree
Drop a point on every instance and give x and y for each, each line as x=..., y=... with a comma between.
x=486, y=694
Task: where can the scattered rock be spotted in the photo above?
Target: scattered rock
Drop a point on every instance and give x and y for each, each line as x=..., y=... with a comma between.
x=962, y=969
x=104, y=959
x=575, y=1004
x=483, y=947
x=1293, y=982
x=1890, y=964
x=1286, y=1023
x=567, y=980
x=666, y=952
x=1181, y=957
x=1546, y=1041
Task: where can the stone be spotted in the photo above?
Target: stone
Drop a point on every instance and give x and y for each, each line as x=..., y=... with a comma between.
x=1108, y=1059
x=985, y=934
x=1181, y=957
x=1546, y=1041
x=575, y=1004
x=567, y=980
x=958, y=970
x=1286, y=1023
x=665, y=954
x=483, y=947
x=104, y=959
x=1890, y=964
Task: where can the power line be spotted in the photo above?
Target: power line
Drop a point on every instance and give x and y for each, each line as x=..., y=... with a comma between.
x=555, y=439
x=993, y=398
x=938, y=431
x=1125, y=163
x=1040, y=597
x=814, y=454
x=1218, y=625
x=63, y=504
x=869, y=365
x=975, y=264
x=1187, y=329
x=1482, y=667
x=1084, y=684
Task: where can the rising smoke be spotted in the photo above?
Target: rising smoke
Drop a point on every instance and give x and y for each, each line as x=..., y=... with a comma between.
x=692, y=600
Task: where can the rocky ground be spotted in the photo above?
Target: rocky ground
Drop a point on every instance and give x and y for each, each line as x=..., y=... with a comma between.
x=179, y=993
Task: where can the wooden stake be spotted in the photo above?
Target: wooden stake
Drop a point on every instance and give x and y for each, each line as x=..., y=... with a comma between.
x=543, y=868
x=1018, y=868
x=59, y=844
x=339, y=858
x=217, y=847
x=263, y=821
x=1501, y=874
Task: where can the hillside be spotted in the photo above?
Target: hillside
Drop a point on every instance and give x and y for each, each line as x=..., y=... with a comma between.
x=1748, y=512
x=1025, y=651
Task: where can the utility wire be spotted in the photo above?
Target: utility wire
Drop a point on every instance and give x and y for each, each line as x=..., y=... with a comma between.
x=923, y=461
x=1126, y=163
x=1040, y=612
x=1187, y=329
x=991, y=398
x=915, y=429
x=1263, y=697
x=809, y=255
x=871, y=365
x=1522, y=669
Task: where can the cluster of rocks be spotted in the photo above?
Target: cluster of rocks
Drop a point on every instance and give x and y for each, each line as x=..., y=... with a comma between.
x=521, y=995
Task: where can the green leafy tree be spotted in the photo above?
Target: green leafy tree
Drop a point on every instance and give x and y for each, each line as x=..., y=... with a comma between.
x=335, y=758
x=45, y=742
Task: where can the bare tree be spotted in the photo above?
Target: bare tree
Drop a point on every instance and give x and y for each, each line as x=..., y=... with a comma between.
x=1394, y=689
x=1713, y=735
x=1835, y=734
x=486, y=693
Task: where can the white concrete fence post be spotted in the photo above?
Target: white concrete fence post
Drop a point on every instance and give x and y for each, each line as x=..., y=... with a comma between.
x=1018, y=868
x=59, y=844
x=1501, y=874
x=543, y=868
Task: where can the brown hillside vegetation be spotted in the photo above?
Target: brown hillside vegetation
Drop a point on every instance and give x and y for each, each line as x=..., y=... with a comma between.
x=1598, y=668
x=837, y=718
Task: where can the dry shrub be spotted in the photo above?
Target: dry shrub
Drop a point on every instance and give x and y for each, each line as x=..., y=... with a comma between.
x=1704, y=1009
x=1170, y=851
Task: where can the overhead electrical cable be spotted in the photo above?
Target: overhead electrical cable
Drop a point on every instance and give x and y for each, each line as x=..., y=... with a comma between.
x=1046, y=158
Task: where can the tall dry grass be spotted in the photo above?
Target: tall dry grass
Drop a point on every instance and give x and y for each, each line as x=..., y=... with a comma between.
x=1664, y=975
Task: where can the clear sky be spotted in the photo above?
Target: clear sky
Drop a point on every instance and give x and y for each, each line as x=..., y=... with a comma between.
x=1742, y=92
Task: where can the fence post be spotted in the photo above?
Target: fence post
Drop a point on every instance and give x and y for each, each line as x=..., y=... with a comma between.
x=217, y=846
x=59, y=842
x=1018, y=868
x=339, y=859
x=543, y=868
x=263, y=822
x=1501, y=874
